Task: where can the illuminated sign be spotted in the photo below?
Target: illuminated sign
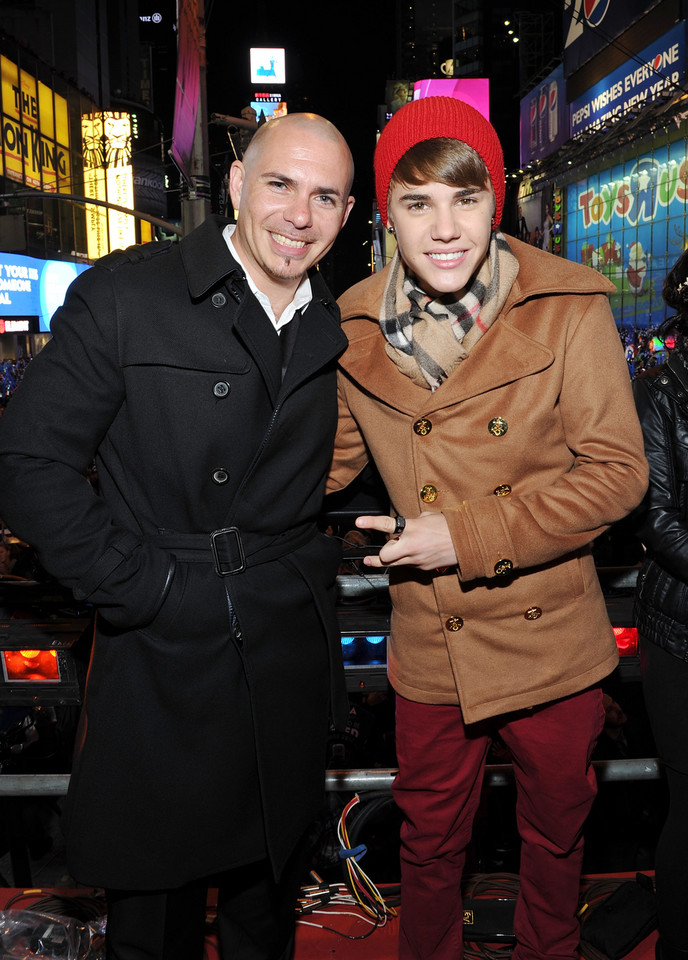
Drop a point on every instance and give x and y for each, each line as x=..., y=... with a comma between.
x=659, y=67
x=35, y=131
x=108, y=175
x=544, y=118
x=592, y=25
x=14, y=326
x=268, y=65
x=270, y=105
x=629, y=222
x=31, y=287
x=474, y=91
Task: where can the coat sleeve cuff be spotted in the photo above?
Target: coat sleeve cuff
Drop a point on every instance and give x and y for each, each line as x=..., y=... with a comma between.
x=481, y=539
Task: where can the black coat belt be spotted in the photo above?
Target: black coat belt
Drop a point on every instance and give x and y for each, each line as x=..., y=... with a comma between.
x=232, y=550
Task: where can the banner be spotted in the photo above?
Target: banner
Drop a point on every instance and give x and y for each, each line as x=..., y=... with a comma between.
x=544, y=118
x=35, y=131
x=629, y=222
x=188, y=85
x=660, y=66
x=591, y=25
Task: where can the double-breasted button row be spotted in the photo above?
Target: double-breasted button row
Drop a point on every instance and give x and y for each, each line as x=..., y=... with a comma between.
x=497, y=426
x=455, y=623
x=220, y=476
x=429, y=492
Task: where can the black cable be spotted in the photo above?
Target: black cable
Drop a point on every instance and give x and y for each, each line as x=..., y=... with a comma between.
x=77, y=907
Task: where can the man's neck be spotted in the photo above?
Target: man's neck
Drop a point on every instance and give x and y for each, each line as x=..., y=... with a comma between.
x=279, y=294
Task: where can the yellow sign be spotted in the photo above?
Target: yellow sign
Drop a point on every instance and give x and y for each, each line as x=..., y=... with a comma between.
x=108, y=175
x=35, y=131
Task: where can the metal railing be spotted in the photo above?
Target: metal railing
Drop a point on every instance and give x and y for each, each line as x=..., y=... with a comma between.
x=353, y=781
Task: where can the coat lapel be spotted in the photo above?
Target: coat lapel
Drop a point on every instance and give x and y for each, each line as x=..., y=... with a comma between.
x=319, y=341
x=260, y=338
x=519, y=356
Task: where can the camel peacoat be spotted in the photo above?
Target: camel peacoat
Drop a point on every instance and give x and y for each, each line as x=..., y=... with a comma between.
x=530, y=449
x=203, y=735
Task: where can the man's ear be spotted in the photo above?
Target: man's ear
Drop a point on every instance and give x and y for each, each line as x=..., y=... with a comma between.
x=349, y=206
x=237, y=173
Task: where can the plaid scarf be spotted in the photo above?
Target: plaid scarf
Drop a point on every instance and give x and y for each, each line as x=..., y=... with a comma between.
x=428, y=338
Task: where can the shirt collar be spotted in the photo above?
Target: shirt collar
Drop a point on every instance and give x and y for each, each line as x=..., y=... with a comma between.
x=302, y=297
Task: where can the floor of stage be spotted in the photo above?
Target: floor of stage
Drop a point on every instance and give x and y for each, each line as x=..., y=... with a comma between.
x=348, y=937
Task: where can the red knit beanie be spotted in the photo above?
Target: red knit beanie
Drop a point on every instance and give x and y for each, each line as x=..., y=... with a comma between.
x=432, y=117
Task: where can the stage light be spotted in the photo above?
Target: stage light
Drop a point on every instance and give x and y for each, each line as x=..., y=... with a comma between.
x=626, y=641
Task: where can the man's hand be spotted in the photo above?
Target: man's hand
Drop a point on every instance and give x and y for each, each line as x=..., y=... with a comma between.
x=424, y=543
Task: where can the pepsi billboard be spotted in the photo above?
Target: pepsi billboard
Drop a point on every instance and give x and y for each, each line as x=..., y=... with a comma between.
x=660, y=66
x=544, y=118
x=591, y=25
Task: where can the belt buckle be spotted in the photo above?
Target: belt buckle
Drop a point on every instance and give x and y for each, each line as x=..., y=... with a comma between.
x=219, y=568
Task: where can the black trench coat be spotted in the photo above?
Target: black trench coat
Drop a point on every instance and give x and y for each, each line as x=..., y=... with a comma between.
x=203, y=733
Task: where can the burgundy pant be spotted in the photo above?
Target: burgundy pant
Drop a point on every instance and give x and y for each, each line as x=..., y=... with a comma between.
x=441, y=765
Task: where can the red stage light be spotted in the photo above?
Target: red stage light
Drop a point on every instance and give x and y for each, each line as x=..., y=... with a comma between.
x=626, y=641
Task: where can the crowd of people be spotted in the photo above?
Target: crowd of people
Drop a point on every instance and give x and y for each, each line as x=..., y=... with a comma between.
x=467, y=372
x=11, y=374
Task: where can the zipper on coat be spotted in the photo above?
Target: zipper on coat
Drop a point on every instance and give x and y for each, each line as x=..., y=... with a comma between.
x=234, y=625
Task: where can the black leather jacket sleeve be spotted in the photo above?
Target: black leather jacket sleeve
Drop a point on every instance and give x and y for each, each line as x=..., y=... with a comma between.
x=662, y=525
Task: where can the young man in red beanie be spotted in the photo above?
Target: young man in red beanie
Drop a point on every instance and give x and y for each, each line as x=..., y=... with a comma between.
x=487, y=381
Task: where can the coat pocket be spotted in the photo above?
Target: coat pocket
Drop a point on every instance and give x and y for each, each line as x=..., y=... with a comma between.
x=164, y=622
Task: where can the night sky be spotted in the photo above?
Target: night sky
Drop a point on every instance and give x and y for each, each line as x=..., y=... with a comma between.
x=337, y=66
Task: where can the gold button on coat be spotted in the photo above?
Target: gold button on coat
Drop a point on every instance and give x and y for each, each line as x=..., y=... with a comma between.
x=502, y=490
x=504, y=566
x=498, y=426
x=422, y=427
x=533, y=613
x=428, y=493
x=454, y=624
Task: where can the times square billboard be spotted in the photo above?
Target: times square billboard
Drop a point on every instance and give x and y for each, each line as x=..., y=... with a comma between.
x=33, y=288
x=592, y=25
x=629, y=220
x=629, y=223
x=544, y=118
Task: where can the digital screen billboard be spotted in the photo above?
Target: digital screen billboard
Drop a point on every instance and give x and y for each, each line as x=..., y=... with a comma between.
x=268, y=106
x=34, y=288
x=629, y=222
x=268, y=65
x=474, y=91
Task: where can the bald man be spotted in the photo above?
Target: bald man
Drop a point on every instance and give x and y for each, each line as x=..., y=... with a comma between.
x=200, y=376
